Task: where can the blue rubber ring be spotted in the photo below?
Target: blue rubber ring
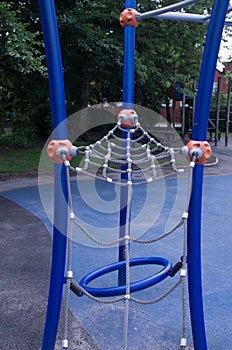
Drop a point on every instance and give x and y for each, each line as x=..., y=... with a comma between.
x=135, y=286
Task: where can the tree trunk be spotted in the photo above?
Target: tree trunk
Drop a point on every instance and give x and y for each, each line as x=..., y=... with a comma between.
x=83, y=96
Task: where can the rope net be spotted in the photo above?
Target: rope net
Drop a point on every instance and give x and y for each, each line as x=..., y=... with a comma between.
x=127, y=157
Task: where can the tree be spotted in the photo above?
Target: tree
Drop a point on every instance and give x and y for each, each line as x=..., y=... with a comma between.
x=92, y=41
x=92, y=46
x=168, y=52
x=22, y=63
x=92, y=54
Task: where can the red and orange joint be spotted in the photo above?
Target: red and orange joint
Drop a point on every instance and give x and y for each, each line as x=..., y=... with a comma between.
x=57, y=149
x=199, y=151
x=128, y=17
x=128, y=118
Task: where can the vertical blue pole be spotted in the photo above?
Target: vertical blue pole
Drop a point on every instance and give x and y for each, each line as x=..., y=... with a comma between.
x=129, y=59
x=58, y=108
x=128, y=102
x=200, y=128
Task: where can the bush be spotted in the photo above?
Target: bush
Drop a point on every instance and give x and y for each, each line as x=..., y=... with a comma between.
x=41, y=120
x=23, y=132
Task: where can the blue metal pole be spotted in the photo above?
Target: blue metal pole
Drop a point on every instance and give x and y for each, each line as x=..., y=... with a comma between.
x=58, y=108
x=128, y=71
x=200, y=128
x=129, y=59
x=128, y=102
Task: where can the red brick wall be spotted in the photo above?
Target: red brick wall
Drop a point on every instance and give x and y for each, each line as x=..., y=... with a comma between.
x=224, y=89
x=178, y=112
x=224, y=86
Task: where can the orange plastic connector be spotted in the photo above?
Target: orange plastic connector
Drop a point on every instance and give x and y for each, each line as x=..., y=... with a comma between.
x=128, y=118
x=199, y=149
x=56, y=148
x=128, y=18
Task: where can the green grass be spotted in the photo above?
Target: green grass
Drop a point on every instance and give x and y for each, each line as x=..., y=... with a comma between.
x=19, y=160
x=22, y=160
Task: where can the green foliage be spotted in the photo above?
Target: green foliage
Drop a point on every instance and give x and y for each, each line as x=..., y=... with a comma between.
x=92, y=49
x=22, y=65
x=169, y=51
x=22, y=130
x=92, y=46
x=92, y=55
x=21, y=48
x=26, y=57
x=228, y=75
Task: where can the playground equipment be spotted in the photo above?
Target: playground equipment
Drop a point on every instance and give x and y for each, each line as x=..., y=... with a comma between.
x=130, y=20
x=220, y=114
x=126, y=162
x=217, y=121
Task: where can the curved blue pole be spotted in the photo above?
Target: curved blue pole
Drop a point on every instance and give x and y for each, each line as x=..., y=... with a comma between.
x=200, y=128
x=58, y=108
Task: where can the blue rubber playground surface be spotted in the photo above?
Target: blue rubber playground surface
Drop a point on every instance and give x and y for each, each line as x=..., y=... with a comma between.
x=154, y=326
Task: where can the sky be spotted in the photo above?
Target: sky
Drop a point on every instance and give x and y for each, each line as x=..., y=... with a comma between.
x=225, y=52
x=226, y=49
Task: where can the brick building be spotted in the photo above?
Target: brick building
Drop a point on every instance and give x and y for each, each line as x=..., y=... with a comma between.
x=222, y=75
x=175, y=104
x=178, y=103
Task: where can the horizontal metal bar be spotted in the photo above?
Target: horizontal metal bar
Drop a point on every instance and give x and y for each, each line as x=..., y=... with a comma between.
x=183, y=16
x=229, y=10
x=188, y=17
x=162, y=13
x=173, y=7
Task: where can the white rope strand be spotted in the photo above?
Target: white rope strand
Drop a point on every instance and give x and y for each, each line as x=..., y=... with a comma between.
x=69, y=276
x=151, y=160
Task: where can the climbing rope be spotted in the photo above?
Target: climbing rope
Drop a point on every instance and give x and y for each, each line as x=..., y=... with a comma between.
x=183, y=342
x=69, y=275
